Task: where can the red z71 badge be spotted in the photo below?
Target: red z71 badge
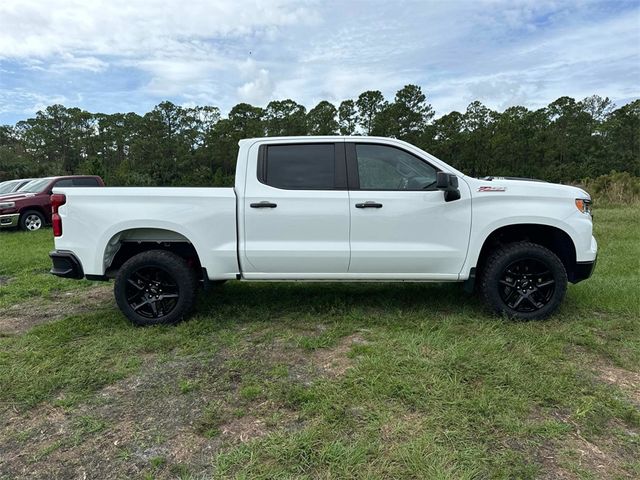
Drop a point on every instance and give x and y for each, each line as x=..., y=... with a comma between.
x=488, y=188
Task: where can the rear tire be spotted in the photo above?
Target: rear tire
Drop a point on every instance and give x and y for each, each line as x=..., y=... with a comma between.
x=31, y=220
x=155, y=287
x=524, y=281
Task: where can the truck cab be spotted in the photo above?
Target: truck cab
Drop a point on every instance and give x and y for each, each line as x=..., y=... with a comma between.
x=351, y=210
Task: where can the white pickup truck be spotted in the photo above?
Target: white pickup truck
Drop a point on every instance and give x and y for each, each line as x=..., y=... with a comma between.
x=328, y=209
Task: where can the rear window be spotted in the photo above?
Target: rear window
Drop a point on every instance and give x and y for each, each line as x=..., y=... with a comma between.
x=299, y=167
x=76, y=182
x=85, y=182
x=67, y=182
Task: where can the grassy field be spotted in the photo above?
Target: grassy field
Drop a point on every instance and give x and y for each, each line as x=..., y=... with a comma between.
x=321, y=380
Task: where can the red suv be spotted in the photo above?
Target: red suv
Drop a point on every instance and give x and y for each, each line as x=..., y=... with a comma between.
x=30, y=207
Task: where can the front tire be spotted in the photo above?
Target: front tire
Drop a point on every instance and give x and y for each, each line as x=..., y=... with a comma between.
x=31, y=220
x=524, y=281
x=155, y=287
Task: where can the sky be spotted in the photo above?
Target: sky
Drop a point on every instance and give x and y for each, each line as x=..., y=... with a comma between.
x=129, y=55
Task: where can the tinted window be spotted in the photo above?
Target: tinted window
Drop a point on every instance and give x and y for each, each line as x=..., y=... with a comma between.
x=67, y=182
x=300, y=166
x=85, y=182
x=381, y=167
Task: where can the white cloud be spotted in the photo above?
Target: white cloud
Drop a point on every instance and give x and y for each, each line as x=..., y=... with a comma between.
x=124, y=55
x=257, y=91
x=185, y=48
x=578, y=61
x=27, y=103
x=128, y=27
x=68, y=61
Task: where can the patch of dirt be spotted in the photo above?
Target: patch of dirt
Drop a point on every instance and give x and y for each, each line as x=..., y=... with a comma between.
x=626, y=380
x=244, y=429
x=186, y=444
x=601, y=456
x=150, y=423
x=20, y=318
x=119, y=431
x=334, y=362
x=176, y=412
x=547, y=457
x=399, y=428
x=606, y=372
x=4, y=280
x=584, y=455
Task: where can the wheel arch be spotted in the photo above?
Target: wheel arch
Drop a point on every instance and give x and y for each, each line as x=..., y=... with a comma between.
x=549, y=236
x=126, y=243
x=34, y=208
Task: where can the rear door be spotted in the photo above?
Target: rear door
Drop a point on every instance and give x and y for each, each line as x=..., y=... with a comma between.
x=401, y=226
x=296, y=211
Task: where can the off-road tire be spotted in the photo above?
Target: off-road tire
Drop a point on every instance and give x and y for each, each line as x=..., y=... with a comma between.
x=496, y=281
x=131, y=290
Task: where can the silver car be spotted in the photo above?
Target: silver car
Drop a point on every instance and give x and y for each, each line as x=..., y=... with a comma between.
x=11, y=186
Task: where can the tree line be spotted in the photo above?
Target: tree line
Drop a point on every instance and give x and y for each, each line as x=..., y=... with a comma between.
x=172, y=145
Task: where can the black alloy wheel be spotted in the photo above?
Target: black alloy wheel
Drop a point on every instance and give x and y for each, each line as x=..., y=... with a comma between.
x=155, y=287
x=151, y=292
x=527, y=285
x=524, y=281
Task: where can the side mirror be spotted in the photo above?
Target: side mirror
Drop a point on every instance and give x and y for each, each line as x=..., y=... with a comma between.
x=448, y=183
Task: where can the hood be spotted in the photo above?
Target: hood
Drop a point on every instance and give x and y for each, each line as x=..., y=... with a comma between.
x=12, y=197
x=515, y=186
x=491, y=178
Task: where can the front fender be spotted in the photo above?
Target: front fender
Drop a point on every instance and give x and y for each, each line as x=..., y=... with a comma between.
x=480, y=235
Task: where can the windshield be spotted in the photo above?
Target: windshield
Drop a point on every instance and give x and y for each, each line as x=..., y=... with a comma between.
x=7, y=187
x=35, y=186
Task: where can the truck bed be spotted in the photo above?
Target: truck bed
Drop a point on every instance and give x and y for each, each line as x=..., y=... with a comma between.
x=97, y=220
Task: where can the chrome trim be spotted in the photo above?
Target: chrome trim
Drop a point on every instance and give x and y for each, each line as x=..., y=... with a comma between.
x=13, y=218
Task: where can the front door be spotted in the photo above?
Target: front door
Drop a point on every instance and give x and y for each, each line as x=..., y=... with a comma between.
x=401, y=226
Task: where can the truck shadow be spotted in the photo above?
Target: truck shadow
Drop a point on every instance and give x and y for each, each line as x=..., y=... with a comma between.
x=273, y=299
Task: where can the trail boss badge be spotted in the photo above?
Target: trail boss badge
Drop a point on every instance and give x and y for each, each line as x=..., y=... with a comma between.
x=488, y=188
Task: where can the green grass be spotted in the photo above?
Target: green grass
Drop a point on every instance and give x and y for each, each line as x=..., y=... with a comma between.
x=436, y=387
x=24, y=261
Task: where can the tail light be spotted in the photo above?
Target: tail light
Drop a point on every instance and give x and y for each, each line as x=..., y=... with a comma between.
x=57, y=200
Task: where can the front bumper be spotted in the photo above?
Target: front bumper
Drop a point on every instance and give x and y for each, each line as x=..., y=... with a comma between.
x=9, y=220
x=582, y=271
x=66, y=264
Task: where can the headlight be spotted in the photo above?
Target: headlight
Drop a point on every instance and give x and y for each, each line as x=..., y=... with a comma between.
x=584, y=205
x=4, y=205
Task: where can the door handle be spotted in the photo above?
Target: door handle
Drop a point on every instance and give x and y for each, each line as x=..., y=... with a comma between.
x=369, y=205
x=263, y=204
